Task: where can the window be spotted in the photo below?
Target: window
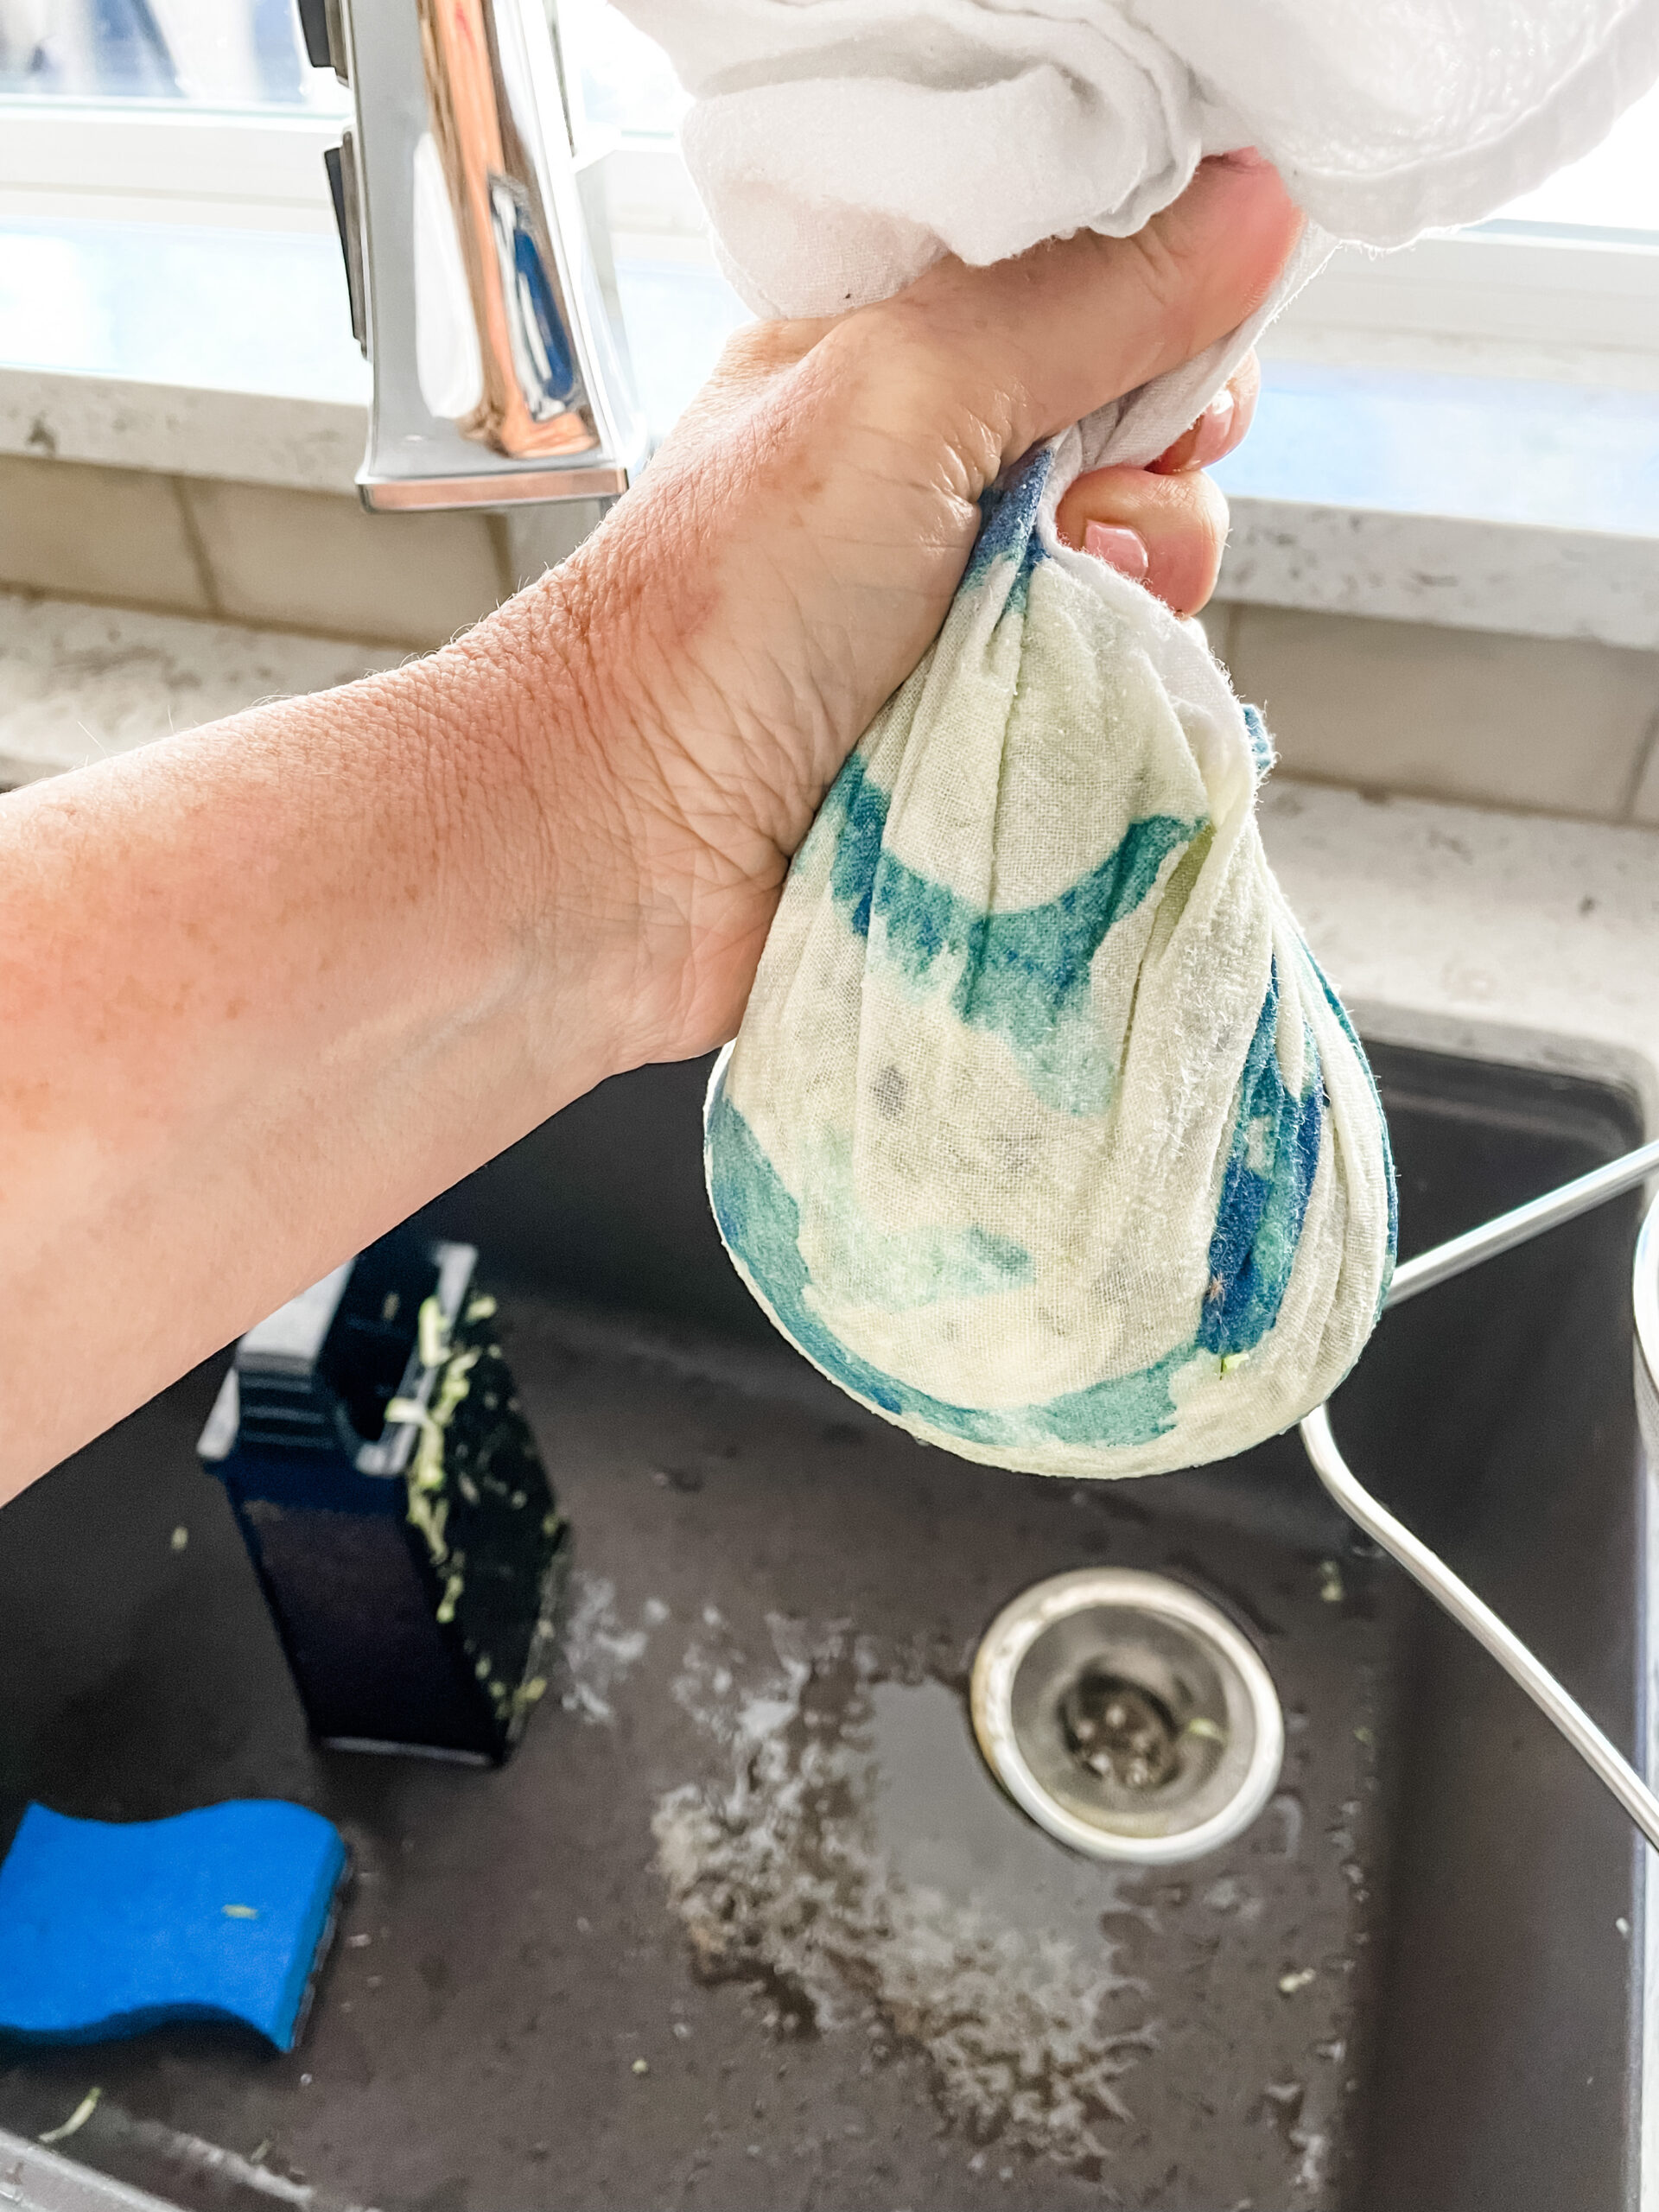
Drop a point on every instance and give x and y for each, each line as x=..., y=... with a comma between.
x=174, y=111
x=1563, y=283
x=617, y=82
x=204, y=112
x=218, y=53
x=1612, y=193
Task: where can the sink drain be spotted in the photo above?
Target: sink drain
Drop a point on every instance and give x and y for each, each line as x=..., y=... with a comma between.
x=1126, y=1715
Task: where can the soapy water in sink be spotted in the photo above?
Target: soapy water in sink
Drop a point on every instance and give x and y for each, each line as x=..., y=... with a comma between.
x=852, y=1866
x=599, y=1651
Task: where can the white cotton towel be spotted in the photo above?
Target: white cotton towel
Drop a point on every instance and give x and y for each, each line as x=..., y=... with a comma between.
x=842, y=146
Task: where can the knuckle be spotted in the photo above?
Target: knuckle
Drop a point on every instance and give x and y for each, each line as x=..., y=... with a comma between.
x=916, y=371
x=1203, y=513
x=1195, y=538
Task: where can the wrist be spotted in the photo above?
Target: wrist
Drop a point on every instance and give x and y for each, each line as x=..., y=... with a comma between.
x=548, y=812
x=646, y=784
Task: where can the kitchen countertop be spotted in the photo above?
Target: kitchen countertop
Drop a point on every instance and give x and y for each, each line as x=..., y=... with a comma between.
x=1402, y=494
x=1511, y=937
x=1506, y=936
x=81, y=683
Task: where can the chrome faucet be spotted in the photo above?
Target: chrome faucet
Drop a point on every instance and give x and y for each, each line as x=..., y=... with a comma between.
x=481, y=294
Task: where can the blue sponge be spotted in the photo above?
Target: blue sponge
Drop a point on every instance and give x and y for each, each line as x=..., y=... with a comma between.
x=106, y=1929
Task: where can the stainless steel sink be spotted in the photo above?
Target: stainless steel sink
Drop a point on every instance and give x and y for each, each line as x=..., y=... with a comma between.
x=748, y=1922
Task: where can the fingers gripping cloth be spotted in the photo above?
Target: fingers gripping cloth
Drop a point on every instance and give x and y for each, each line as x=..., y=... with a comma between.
x=1043, y=1135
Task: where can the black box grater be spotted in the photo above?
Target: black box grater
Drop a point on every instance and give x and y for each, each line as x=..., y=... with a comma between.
x=394, y=1505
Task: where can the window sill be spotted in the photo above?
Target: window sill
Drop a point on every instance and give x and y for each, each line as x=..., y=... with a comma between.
x=1510, y=503
x=1480, y=502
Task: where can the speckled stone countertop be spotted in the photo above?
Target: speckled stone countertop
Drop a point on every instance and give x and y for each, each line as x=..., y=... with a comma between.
x=1508, y=936
x=80, y=683
x=1470, y=501
x=1525, y=504
x=1511, y=937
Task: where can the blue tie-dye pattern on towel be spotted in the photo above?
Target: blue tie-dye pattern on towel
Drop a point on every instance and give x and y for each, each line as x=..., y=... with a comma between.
x=1270, y=1171
x=1025, y=977
x=762, y=1225
x=1021, y=975
x=1261, y=743
x=1007, y=527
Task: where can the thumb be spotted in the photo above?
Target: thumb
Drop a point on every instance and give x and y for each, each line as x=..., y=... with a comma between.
x=1042, y=340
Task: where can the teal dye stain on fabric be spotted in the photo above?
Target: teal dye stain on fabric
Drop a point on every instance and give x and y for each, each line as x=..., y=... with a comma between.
x=762, y=1225
x=1127, y=1409
x=1023, y=975
x=1261, y=743
x=1026, y=977
x=1007, y=521
x=1270, y=1169
x=854, y=818
x=898, y=1271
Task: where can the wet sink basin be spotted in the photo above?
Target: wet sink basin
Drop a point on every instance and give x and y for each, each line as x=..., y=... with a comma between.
x=747, y=1923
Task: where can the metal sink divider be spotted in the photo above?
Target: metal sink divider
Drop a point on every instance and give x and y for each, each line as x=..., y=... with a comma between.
x=1425, y=1565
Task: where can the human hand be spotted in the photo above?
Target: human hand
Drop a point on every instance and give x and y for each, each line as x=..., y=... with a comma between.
x=268, y=986
x=1166, y=525
x=791, y=553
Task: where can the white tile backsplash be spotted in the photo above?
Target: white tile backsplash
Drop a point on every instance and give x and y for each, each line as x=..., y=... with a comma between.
x=1552, y=725
x=97, y=533
x=311, y=561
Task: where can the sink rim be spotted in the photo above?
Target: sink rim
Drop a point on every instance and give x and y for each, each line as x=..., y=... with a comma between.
x=1644, y=1294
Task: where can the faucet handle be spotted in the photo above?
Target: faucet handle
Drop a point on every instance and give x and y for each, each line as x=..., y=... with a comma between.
x=325, y=41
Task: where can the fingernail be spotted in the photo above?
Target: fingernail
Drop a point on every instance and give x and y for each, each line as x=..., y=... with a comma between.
x=1205, y=442
x=1215, y=427
x=1120, y=549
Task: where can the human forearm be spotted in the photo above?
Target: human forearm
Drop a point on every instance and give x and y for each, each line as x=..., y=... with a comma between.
x=270, y=986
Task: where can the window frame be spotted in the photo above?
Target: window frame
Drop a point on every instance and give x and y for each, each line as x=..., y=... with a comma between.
x=165, y=161
x=1509, y=285
x=1522, y=286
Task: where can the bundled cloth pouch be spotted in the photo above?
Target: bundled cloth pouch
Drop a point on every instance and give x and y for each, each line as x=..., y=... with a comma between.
x=1043, y=1135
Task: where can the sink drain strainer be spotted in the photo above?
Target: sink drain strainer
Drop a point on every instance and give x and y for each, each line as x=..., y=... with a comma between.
x=1126, y=1715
